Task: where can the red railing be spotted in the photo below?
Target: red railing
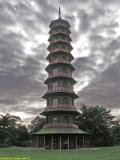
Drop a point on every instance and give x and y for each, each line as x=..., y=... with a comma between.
x=57, y=74
x=60, y=106
x=60, y=49
x=60, y=39
x=60, y=125
x=59, y=31
x=59, y=61
x=65, y=107
x=58, y=89
x=59, y=23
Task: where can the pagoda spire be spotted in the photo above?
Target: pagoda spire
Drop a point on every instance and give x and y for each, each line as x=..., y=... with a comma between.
x=59, y=12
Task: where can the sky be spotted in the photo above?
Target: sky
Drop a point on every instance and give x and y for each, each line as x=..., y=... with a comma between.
x=24, y=26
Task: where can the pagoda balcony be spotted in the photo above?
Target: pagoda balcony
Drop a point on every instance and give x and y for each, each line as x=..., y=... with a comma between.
x=60, y=89
x=60, y=31
x=62, y=23
x=59, y=61
x=60, y=50
x=59, y=74
x=60, y=40
x=60, y=106
x=60, y=125
x=56, y=38
x=59, y=22
x=52, y=54
x=59, y=45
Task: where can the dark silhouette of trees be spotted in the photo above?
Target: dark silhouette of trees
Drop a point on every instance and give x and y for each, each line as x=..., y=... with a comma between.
x=12, y=131
x=99, y=122
x=37, y=123
x=116, y=132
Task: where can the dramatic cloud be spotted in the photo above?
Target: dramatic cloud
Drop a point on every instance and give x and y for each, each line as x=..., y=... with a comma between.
x=24, y=25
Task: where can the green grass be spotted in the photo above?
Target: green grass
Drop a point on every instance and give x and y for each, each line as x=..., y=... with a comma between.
x=106, y=153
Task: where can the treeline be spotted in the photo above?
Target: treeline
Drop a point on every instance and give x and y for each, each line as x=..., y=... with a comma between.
x=98, y=121
x=103, y=126
x=13, y=132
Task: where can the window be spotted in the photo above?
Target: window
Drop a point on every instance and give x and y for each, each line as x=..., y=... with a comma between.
x=65, y=100
x=55, y=120
x=55, y=85
x=49, y=101
x=63, y=57
x=65, y=119
x=65, y=84
x=55, y=101
x=64, y=70
x=55, y=70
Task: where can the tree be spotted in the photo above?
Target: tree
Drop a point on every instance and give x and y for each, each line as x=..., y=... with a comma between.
x=12, y=131
x=97, y=121
x=116, y=131
x=37, y=123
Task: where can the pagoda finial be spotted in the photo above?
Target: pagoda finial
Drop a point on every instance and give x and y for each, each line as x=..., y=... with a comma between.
x=59, y=10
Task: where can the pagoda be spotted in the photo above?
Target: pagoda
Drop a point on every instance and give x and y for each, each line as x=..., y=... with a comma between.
x=60, y=132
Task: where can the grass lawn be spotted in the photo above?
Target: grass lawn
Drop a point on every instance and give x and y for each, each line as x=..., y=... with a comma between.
x=106, y=153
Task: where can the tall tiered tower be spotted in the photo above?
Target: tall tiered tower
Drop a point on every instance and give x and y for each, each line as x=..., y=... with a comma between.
x=60, y=132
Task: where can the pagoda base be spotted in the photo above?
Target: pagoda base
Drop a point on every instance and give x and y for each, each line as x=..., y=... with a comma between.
x=60, y=138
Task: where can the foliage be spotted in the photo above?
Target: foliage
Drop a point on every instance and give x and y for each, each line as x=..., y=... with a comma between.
x=37, y=123
x=12, y=131
x=116, y=131
x=97, y=121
